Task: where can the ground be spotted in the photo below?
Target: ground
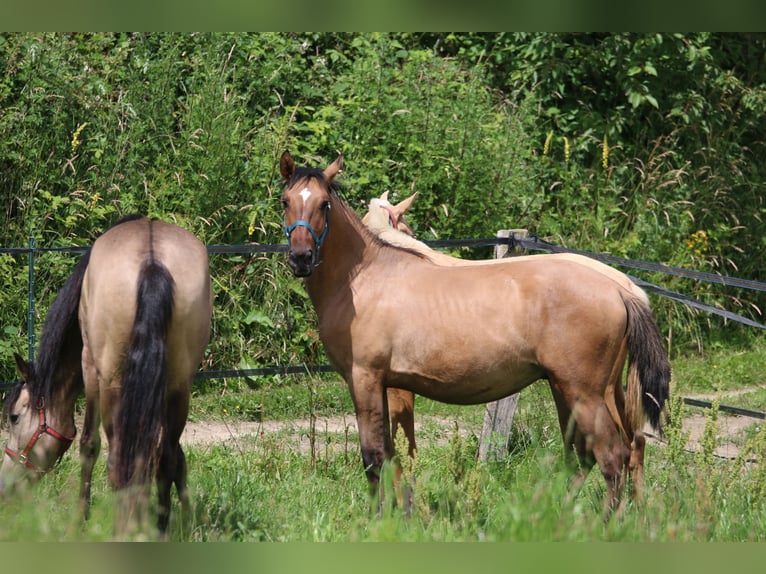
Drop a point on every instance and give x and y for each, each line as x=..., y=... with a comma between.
x=731, y=428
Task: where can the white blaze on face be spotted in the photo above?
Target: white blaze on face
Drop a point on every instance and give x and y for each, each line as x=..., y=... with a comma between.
x=305, y=194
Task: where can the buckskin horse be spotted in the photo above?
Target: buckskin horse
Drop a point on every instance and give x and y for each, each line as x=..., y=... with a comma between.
x=130, y=327
x=387, y=221
x=390, y=317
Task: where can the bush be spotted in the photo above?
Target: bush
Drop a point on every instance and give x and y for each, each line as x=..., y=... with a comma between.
x=646, y=146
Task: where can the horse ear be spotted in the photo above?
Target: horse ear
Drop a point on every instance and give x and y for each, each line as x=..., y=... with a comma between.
x=23, y=367
x=286, y=166
x=331, y=170
x=402, y=207
x=384, y=196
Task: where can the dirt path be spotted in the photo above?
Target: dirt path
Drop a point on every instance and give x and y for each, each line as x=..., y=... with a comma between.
x=731, y=428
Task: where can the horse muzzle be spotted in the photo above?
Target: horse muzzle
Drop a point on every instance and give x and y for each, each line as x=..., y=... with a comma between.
x=301, y=262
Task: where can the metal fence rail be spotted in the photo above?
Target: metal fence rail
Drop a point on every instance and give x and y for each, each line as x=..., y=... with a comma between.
x=532, y=243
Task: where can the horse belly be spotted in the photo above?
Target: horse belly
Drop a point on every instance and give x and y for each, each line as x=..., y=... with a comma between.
x=465, y=371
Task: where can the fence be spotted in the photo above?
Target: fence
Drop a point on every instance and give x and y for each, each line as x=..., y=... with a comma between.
x=514, y=239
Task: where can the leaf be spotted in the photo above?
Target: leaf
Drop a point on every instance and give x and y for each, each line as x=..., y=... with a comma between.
x=635, y=98
x=257, y=316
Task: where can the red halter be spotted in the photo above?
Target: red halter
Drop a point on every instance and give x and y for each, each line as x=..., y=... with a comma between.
x=42, y=429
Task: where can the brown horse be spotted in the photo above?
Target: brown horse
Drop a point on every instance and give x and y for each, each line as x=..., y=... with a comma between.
x=390, y=317
x=130, y=326
x=387, y=221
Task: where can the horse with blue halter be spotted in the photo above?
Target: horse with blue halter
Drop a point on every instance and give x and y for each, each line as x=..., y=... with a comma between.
x=129, y=327
x=469, y=334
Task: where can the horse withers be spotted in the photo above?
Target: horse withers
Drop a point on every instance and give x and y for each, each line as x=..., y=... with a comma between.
x=391, y=317
x=129, y=327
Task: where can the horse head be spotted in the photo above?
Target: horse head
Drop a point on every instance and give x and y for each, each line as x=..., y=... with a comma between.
x=306, y=201
x=34, y=445
x=382, y=214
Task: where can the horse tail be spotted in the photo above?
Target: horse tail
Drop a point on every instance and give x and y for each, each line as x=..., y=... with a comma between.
x=648, y=380
x=139, y=422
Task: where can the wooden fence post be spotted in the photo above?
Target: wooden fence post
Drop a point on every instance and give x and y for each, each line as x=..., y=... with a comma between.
x=498, y=416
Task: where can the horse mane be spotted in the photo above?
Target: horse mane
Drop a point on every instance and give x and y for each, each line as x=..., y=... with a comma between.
x=60, y=338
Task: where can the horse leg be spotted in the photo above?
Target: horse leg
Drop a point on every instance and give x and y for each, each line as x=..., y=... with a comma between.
x=576, y=449
x=172, y=465
x=589, y=426
x=611, y=450
x=637, y=449
x=165, y=473
x=171, y=471
x=90, y=446
x=90, y=439
x=401, y=406
x=370, y=404
x=615, y=402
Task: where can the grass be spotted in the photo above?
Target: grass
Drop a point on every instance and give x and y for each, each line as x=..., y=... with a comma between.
x=268, y=488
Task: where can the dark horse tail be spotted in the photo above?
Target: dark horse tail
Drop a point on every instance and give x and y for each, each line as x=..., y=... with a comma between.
x=648, y=384
x=144, y=377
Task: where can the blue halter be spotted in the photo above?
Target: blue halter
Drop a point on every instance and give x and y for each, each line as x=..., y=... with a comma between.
x=318, y=239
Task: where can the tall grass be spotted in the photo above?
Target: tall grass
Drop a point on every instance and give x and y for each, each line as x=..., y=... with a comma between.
x=268, y=490
x=309, y=485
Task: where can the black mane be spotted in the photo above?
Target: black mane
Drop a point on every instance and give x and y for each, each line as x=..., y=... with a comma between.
x=61, y=335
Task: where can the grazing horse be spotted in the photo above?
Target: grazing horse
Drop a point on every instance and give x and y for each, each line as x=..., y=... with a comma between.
x=470, y=334
x=387, y=221
x=130, y=326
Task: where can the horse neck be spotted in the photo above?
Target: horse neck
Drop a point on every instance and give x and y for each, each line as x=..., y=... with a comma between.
x=66, y=380
x=70, y=386
x=59, y=364
x=342, y=255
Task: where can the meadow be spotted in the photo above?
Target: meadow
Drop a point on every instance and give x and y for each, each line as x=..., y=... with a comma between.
x=644, y=146
x=282, y=482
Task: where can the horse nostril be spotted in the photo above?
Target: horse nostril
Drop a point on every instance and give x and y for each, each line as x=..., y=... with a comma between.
x=304, y=257
x=301, y=262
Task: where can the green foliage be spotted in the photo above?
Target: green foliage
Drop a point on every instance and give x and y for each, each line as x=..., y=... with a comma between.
x=269, y=486
x=643, y=145
x=265, y=488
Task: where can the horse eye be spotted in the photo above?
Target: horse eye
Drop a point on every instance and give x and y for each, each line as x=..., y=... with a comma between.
x=14, y=419
x=285, y=203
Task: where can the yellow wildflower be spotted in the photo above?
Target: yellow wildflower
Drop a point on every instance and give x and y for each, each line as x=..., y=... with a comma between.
x=76, y=137
x=547, y=144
